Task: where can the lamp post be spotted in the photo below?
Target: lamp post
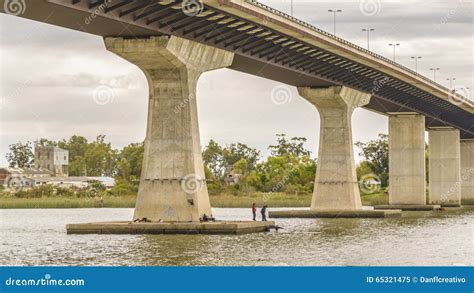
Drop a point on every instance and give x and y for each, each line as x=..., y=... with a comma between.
x=451, y=82
x=434, y=72
x=334, y=11
x=416, y=62
x=291, y=7
x=368, y=30
x=394, y=46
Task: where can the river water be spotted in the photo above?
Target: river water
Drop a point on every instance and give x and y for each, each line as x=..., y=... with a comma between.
x=38, y=237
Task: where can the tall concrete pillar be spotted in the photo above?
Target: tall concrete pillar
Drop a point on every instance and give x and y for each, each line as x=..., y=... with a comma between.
x=407, y=170
x=467, y=171
x=172, y=185
x=336, y=186
x=444, y=167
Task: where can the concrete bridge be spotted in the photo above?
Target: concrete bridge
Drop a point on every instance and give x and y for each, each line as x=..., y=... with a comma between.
x=173, y=42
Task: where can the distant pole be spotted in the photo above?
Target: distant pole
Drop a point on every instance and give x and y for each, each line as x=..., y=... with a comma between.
x=451, y=81
x=434, y=72
x=368, y=30
x=416, y=62
x=334, y=11
x=394, y=46
x=291, y=7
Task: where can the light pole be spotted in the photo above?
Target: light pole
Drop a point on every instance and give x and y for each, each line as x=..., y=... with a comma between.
x=394, y=46
x=416, y=62
x=368, y=30
x=434, y=72
x=291, y=7
x=451, y=82
x=334, y=11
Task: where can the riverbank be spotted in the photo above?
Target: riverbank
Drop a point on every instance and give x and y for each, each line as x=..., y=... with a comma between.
x=218, y=201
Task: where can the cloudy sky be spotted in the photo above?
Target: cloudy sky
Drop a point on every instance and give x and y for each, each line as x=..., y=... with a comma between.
x=49, y=75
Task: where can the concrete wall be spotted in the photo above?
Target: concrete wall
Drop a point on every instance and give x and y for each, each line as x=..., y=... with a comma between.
x=467, y=170
x=407, y=171
x=444, y=166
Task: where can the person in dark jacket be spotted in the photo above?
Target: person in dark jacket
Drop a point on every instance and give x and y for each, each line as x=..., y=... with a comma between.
x=263, y=211
x=254, y=211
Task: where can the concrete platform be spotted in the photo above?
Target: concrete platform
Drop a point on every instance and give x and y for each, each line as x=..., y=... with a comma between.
x=336, y=214
x=218, y=227
x=409, y=207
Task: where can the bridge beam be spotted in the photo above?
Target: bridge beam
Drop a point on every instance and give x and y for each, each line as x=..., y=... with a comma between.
x=172, y=184
x=444, y=166
x=467, y=171
x=407, y=170
x=336, y=186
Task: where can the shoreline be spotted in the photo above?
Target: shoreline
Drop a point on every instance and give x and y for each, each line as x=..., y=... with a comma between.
x=217, y=201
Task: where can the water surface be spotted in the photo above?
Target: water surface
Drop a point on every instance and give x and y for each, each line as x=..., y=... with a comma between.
x=38, y=237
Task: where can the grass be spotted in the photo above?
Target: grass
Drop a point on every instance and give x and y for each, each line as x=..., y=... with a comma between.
x=218, y=201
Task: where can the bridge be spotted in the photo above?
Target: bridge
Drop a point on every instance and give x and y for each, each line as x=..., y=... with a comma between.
x=173, y=42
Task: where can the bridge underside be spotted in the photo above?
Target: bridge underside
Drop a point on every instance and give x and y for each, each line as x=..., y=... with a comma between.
x=258, y=50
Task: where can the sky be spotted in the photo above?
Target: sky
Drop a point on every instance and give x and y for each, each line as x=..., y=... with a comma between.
x=50, y=77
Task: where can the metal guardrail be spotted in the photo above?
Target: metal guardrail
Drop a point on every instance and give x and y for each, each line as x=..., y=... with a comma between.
x=345, y=42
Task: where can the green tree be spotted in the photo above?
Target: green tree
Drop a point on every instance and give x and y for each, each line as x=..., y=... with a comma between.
x=130, y=161
x=376, y=152
x=20, y=155
x=294, y=146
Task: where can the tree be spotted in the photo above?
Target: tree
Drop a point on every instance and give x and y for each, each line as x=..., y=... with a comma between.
x=130, y=161
x=20, y=155
x=294, y=146
x=376, y=152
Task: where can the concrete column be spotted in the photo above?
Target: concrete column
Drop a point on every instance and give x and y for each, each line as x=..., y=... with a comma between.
x=172, y=184
x=407, y=171
x=444, y=167
x=336, y=186
x=467, y=171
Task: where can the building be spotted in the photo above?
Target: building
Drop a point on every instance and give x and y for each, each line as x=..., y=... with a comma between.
x=22, y=177
x=52, y=158
x=76, y=181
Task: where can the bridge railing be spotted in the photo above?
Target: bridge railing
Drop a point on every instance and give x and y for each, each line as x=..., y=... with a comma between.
x=343, y=41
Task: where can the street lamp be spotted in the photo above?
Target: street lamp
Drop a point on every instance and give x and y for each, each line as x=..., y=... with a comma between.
x=291, y=7
x=368, y=30
x=394, y=46
x=334, y=11
x=416, y=62
x=434, y=72
x=451, y=82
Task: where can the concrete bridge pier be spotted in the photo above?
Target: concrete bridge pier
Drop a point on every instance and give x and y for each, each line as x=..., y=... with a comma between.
x=407, y=167
x=444, y=166
x=467, y=171
x=172, y=184
x=336, y=190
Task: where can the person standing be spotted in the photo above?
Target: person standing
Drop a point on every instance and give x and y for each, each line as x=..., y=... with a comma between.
x=254, y=211
x=263, y=211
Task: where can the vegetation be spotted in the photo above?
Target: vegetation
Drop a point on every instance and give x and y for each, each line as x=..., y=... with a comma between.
x=237, y=175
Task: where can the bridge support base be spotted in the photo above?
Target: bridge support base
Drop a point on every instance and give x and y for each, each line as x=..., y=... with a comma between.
x=407, y=171
x=444, y=167
x=172, y=184
x=467, y=172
